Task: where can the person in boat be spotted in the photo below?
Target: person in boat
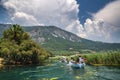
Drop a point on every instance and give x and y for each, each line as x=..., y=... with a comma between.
x=64, y=59
x=77, y=65
x=81, y=61
x=72, y=60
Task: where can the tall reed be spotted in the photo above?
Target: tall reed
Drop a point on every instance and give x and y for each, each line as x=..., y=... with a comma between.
x=106, y=58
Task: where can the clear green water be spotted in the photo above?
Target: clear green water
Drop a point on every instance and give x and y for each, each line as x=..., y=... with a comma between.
x=58, y=71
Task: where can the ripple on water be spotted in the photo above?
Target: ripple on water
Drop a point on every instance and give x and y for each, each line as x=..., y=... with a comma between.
x=60, y=71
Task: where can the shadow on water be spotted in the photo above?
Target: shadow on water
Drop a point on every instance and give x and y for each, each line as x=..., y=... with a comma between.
x=59, y=71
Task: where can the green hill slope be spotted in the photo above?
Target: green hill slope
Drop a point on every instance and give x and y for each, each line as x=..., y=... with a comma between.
x=53, y=38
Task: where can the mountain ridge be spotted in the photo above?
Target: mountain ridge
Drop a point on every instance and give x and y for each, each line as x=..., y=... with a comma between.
x=54, y=38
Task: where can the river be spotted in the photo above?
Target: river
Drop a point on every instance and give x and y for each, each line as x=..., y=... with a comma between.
x=59, y=71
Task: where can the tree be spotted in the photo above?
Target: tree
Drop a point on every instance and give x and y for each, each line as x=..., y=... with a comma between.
x=16, y=33
x=16, y=47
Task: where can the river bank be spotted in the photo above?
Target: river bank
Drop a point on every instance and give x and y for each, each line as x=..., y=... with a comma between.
x=96, y=59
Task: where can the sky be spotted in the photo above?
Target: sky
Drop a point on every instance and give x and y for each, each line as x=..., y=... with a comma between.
x=97, y=20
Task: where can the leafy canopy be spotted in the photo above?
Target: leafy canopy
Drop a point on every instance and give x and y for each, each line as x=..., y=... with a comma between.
x=16, y=47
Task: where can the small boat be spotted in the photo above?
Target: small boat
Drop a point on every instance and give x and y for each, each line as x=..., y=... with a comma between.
x=78, y=65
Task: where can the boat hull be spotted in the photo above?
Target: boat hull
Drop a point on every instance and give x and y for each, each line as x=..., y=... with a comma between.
x=77, y=66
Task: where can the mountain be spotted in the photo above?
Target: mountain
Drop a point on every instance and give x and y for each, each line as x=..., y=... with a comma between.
x=54, y=38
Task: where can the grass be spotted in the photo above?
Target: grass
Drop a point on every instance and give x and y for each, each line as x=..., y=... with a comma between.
x=103, y=58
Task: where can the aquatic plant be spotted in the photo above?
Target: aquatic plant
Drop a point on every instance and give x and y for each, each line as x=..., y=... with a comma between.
x=105, y=58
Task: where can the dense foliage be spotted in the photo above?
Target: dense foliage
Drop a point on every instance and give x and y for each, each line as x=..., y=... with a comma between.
x=105, y=58
x=16, y=47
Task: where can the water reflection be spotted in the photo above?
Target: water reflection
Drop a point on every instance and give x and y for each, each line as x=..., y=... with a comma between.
x=78, y=71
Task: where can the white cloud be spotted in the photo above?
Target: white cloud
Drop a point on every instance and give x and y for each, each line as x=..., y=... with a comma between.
x=105, y=25
x=76, y=28
x=25, y=19
x=54, y=12
x=99, y=30
x=110, y=13
x=64, y=13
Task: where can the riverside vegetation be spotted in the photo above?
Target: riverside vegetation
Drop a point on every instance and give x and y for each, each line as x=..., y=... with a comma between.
x=110, y=58
x=104, y=58
x=16, y=47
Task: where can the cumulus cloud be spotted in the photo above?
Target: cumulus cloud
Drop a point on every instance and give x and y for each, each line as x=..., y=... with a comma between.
x=104, y=26
x=20, y=17
x=100, y=31
x=33, y=12
x=110, y=13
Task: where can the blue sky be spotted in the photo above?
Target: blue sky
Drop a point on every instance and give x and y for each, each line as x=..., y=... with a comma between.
x=90, y=6
x=96, y=20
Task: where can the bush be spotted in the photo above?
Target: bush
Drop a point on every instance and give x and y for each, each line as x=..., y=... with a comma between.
x=16, y=47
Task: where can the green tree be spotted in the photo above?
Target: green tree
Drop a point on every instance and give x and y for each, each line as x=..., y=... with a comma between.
x=16, y=33
x=16, y=47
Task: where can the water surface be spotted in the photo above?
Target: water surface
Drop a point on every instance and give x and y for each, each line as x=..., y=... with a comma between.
x=59, y=71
